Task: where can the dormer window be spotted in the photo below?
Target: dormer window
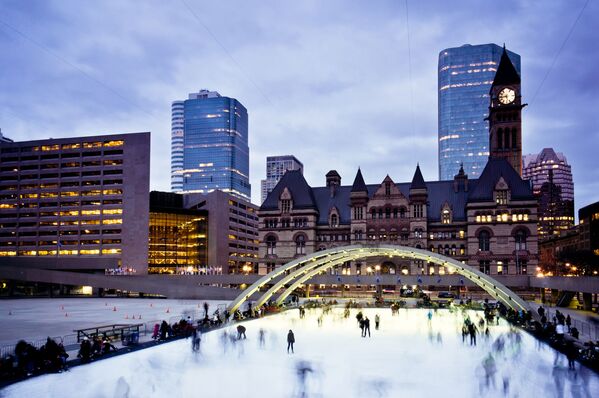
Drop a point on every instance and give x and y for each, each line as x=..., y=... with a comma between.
x=501, y=197
x=285, y=205
x=334, y=220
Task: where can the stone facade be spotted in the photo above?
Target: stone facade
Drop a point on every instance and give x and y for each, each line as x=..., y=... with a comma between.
x=488, y=223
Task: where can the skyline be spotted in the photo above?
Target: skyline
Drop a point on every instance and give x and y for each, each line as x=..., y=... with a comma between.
x=117, y=68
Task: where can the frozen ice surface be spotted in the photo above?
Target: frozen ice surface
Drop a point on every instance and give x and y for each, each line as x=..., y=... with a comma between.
x=408, y=357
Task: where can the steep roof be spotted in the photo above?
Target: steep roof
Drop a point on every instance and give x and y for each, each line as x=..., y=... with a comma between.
x=506, y=72
x=418, y=180
x=359, y=185
x=493, y=171
x=301, y=192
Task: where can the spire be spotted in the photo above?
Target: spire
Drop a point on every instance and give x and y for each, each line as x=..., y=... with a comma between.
x=506, y=72
x=359, y=185
x=418, y=180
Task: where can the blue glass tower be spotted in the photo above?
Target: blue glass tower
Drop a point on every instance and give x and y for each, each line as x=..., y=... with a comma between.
x=465, y=77
x=215, y=152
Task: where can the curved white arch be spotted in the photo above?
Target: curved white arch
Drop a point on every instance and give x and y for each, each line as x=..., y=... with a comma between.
x=300, y=270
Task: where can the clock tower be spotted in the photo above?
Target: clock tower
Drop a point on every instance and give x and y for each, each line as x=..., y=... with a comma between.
x=505, y=110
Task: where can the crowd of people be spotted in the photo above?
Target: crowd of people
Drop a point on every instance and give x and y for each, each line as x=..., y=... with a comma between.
x=29, y=360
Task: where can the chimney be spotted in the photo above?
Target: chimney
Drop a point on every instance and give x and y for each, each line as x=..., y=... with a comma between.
x=333, y=181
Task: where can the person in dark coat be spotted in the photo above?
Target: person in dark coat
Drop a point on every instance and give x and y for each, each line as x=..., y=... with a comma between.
x=366, y=326
x=240, y=332
x=163, y=330
x=290, y=341
x=85, y=350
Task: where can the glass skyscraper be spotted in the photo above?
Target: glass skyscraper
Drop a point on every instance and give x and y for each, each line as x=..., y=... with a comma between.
x=209, y=148
x=465, y=77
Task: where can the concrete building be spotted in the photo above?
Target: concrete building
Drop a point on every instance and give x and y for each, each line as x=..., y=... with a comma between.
x=588, y=217
x=232, y=232
x=76, y=203
x=465, y=76
x=276, y=166
x=209, y=149
x=551, y=178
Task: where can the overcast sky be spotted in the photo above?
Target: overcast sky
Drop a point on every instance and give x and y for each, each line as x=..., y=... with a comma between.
x=327, y=81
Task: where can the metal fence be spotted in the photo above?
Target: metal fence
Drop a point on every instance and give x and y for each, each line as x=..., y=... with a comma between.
x=587, y=330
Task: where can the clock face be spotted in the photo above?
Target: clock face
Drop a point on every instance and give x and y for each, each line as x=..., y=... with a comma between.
x=507, y=96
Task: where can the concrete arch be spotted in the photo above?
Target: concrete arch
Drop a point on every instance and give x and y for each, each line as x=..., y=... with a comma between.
x=298, y=271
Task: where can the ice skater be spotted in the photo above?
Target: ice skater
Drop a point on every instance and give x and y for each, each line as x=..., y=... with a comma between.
x=261, y=339
x=195, y=340
x=366, y=326
x=290, y=341
x=377, y=321
x=303, y=368
x=241, y=332
x=472, y=330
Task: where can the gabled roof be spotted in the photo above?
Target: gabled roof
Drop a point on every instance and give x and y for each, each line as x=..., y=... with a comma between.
x=359, y=185
x=493, y=171
x=506, y=72
x=301, y=193
x=418, y=180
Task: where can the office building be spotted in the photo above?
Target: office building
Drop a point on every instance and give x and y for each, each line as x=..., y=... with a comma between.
x=209, y=149
x=178, y=236
x=551, y=179
x=232, y=231
x=76, y=203
x=465, y=76
x=276, y=166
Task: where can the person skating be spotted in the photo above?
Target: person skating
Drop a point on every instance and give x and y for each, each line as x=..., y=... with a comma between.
x=472, y=329
x=362, y=327
x=290, y=341
x=366, y=326
x=377, y=321
x=240, y=332
x=196, y=339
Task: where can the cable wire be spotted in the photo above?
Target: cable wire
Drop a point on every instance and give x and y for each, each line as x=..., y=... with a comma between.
x=229, y=55
x=559, y=52
x=72, y=65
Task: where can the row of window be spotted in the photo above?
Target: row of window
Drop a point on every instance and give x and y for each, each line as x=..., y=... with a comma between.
x=501, y=217
x=64, y=174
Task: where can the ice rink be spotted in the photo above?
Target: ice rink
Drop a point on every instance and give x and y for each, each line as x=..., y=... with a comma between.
x=409, y=356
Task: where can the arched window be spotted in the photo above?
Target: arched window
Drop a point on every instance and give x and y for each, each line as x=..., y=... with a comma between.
x=334, y=220
x=373, y=211
x=431, y=248
x=402, y=212
x=395, y=212
x=454, y=251
x=499, y=138
x=358, y=235
x=514, y=138
x=271, y=245
x=506, y=138
x=520, y=238
x=484, y=241
x=300, y=244
x=388, y=212
x=380, y=214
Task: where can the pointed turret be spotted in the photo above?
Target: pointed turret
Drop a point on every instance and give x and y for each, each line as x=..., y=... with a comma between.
x=359, y=185
x=417, y=180
x=506, y=72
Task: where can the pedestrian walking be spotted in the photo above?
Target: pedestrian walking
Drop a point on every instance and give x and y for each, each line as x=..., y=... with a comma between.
x=290, y=341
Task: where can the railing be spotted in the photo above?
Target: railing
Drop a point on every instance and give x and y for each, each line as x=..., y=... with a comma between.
x=110, y=331
x=586, y=330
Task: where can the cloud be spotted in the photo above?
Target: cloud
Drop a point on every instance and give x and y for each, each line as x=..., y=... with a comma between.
x=329, y=82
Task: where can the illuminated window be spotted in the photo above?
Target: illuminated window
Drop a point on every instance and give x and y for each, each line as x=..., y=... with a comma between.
x=334, y=220
x=446, y=216
x=112, y=211
x=501, y=197
x=70, y=146
x=92, y=144
x=114, y=143
x=113, y=221
x=90, y=212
